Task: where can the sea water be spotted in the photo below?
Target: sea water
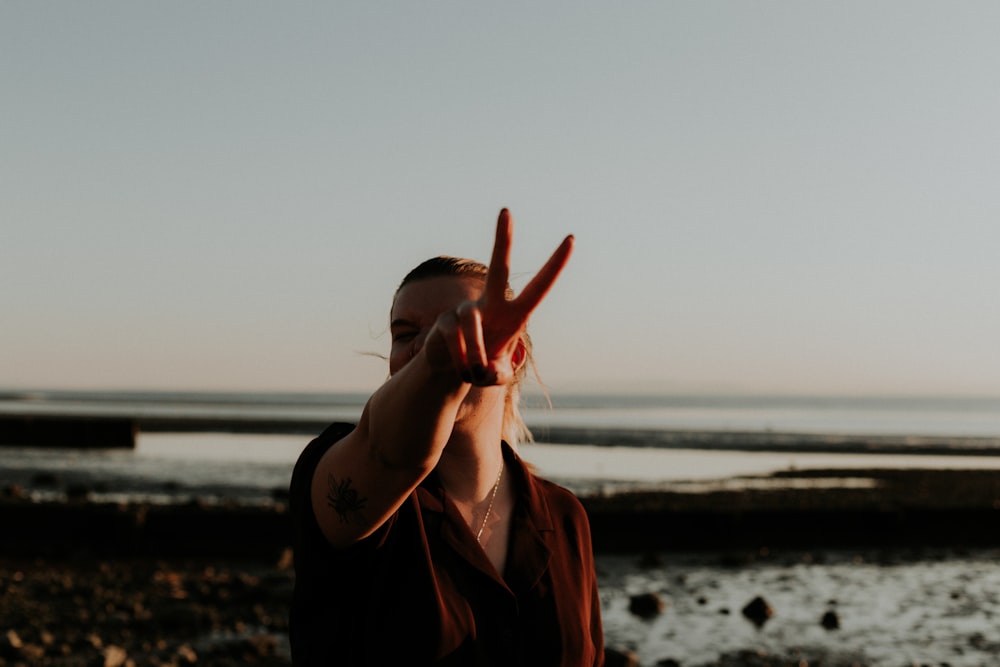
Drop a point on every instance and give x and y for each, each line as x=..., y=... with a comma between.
x=860, y=415
x=255, y=467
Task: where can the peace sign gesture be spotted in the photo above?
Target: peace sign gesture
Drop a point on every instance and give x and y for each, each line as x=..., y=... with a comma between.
x=483, y=337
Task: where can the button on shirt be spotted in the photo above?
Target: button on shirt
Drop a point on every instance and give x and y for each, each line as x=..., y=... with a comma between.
x=421, y=590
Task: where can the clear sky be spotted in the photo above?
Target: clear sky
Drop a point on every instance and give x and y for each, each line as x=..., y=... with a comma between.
x=766, y=196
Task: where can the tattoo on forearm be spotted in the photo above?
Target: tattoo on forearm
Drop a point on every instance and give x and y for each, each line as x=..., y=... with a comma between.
x=345, y=499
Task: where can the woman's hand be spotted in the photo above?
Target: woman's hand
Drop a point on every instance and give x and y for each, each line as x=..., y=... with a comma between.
x=483, y=337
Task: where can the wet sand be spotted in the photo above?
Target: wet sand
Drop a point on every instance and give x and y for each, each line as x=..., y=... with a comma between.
x=903, y=558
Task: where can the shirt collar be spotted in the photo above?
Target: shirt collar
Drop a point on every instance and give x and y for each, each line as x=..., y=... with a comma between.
x=529, y=554
x=431, y=492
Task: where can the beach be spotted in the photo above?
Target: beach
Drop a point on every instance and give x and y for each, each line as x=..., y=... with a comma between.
x=893, y=607
x=780, y=549
x=905, y=563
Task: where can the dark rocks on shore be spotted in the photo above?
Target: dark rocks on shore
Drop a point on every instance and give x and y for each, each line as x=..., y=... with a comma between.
x=920, y=508
x=78, y=492
x=56, y=431
x=759, y=658
x=122, y=612
x=650, y=560
x=141, y=612
x=900, y=507
x=13, y=492
x=646, y=605
x=614, y=657
x=758, y=611
x=112, y=530
x=830, y=620
x=45, y=479
x=667, y=662
x=795, y=658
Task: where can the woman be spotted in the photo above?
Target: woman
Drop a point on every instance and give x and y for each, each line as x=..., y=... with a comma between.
x=420, y=536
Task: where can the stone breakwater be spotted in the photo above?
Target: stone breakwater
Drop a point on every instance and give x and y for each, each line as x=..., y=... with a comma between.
x=892, y=508
x=873, y=508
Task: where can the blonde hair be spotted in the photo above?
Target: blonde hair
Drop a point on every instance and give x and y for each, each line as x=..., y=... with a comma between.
x=514, y=430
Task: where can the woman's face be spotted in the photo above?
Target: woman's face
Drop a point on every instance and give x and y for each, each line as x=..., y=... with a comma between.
x=417, y=307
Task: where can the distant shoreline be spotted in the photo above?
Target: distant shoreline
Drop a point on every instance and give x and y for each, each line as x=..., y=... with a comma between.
x=942, y=425
x=609, y=436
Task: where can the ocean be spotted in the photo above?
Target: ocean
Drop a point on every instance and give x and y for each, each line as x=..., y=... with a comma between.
x=240, y=446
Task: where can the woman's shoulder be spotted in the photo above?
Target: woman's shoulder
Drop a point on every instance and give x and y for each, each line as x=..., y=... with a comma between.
x=560, y=500
x=552, y=490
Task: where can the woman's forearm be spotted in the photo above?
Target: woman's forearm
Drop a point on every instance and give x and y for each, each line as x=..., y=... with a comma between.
x=407, y=421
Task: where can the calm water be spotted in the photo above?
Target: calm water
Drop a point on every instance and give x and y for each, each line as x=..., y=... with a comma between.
x=253, y=467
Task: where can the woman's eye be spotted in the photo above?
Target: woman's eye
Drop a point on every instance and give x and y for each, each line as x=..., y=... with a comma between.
x=403, y=336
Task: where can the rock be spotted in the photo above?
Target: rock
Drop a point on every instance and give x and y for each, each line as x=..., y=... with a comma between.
x=668, y=662
x=13, y=492
x=19, y=652
x=750, y=658
x=45, y=479
x=758, y=611
x=620, y=658
x=133, y=613
x=646, y=605
x=77, y=492
x=650, y=560
x=262, y=645
x=33, y=653
x=186, y=654
x=115, y=656
x=830, y=620
x=11, y=645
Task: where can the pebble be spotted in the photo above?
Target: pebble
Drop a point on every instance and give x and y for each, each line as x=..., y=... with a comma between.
x=646, y=605
x=115, y=656
x=758, y=611
x=620, y=658
x=45, y=479
x=136, y=613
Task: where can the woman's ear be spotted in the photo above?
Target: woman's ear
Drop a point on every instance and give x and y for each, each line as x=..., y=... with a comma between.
x=519, y=355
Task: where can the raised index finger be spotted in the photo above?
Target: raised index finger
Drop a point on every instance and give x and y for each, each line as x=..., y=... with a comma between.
x=539, y=286
x=499, y=271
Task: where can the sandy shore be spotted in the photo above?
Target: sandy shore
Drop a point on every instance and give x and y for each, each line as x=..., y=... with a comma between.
x=88, y=583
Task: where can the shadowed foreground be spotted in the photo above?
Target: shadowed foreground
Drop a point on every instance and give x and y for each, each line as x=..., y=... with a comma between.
x=112, y=585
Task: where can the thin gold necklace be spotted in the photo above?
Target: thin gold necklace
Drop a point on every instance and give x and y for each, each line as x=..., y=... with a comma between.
x=490, y=508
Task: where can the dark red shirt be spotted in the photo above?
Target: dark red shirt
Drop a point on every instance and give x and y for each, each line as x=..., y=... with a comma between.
x=421, y=591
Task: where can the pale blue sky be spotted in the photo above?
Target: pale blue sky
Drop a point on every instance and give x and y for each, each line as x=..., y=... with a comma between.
x=767, y=196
